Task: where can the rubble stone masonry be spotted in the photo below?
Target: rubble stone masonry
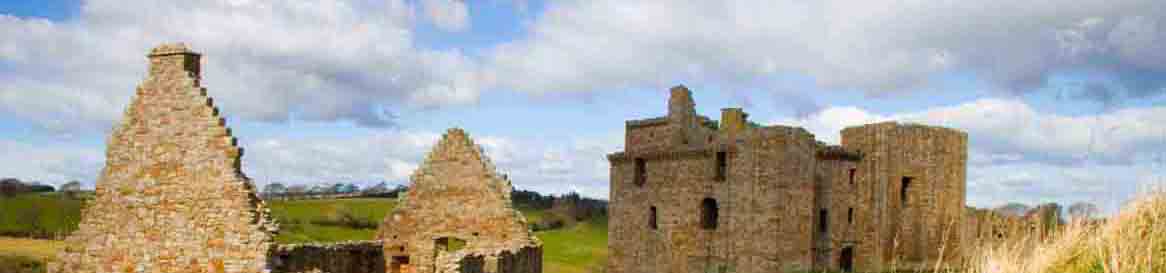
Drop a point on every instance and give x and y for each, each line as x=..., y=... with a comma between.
x=457, y=217
x=690, y=195
x=171, y=197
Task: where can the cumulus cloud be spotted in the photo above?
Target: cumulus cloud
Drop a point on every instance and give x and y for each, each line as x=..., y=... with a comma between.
x=1003, y=129
x=448, y=15
x=1017, y=153
x=547, y=167
x=876, y=46
x=50, y=164
x=268, y=61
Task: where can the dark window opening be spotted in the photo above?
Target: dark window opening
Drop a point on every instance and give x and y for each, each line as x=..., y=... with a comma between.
x=852, y=171
x=640, y=173
x=708, y=212
x=846, y=259
x=400, y=264
x=904, y=189
x=652, y=218
x=722, y=165
x=850, y=215
x=823, y=221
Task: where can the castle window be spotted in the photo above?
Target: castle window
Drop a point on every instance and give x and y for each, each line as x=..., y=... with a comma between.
x=903, y=190
x=722, y=165
x=823, y=221
x=850, y=216
x=652, y=218
x=641, y=175
x=708, y=214
x=852, y=171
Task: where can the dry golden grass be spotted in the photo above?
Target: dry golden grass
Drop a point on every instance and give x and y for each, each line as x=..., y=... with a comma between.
x=31, y=248
x=1132, y=241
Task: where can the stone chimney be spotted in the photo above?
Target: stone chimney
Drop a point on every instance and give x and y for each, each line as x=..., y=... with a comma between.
x=733, y=120
x=681, y=108
x=174, y=60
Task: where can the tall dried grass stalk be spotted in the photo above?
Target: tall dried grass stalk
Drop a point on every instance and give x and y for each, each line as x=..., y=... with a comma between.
x=1132, y=241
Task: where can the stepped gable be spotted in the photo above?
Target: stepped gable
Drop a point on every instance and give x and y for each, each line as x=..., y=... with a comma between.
x=171, y=197
x=456, y=195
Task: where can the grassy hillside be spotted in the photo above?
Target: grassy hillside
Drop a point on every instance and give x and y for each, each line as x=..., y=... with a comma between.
x=47, y=215
x=327, y=220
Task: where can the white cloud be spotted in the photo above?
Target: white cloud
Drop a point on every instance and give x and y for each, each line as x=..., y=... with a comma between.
x=448, y=15
x=547, y=167
x=876, y=46
x=1002, y=129
x=314, y=60
x=50, y=164
x=362, y=157
x=1019, y=154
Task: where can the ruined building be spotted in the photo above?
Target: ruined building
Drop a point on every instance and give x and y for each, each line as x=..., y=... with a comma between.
x=689, y=194
x=172, y=198
x=457, y=217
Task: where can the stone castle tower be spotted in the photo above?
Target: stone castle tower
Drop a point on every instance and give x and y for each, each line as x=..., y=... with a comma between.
x=457, y=217
x=691, y=195
x=171, y=197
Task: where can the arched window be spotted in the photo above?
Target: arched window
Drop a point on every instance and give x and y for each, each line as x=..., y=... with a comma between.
x=708, y=213
x=652, y=218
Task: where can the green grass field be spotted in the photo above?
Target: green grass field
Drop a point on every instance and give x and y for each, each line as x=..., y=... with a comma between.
x=47, y=215
x=575, y=249
x=299, y=219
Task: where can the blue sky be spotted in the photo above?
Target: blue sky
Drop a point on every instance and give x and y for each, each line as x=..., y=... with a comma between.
x=1063, y=102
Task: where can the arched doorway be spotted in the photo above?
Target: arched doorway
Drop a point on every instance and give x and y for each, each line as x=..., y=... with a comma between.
x=846, y=260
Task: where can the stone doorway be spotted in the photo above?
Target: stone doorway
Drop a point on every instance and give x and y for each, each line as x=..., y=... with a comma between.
x=400, y=265
x=846, y=260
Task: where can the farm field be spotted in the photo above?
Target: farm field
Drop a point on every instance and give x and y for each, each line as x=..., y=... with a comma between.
x=578, y=248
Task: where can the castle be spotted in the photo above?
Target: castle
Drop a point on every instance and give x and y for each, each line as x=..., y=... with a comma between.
x=692, y=195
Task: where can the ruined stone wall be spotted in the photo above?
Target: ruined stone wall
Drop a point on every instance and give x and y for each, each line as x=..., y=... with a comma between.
x=836, y=194
x=925, y=227
x=764, y=203
x=779, y=182
x=346, y=257
x=457, y=205
x=152, y=211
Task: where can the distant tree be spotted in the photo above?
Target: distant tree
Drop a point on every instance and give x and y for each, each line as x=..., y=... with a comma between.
x=349, y=188
x=275, y=189
x=39, y=187
x=70, y=189
x=377, y=189
x=1013, y=209
x=319, y=189
x=1049, y=215
x=297, y=190
x=335, y=188
x=12, y=186
x=1082, y=211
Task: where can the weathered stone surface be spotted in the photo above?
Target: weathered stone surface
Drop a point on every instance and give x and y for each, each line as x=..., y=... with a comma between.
x=773, y=192
x=344, y=257
x=457, y=217
x=171, y=197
